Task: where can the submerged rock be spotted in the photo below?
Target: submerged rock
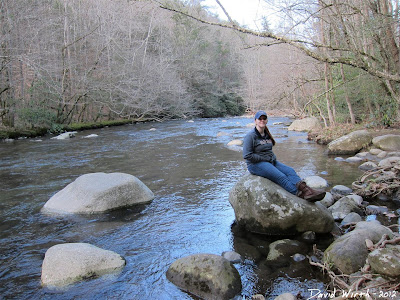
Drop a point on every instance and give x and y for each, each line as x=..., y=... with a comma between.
x=281, y=250
x=235, y=143
x=262, y=206
x=207, y=276
x=99, y=192
x=65, y=135
x=67, y=263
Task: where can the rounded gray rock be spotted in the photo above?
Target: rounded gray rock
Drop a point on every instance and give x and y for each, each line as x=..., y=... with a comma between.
x=386, y=261
x=262, y=206
x=341, y=190
x=389, y=142
x=207, y=276
x=64, y=264
x=99, y=192
x=350, y=143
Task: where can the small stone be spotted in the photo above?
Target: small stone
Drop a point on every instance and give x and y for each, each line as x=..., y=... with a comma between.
x=341, y=189
x=354, y=159
x=235, y=143
x=232, y=256
x=91, y=136
x=286, y=296
x=383, y=154
x=376, y=210
x=339, y=159
x=369, y=165
x=308, y=236
x=351, y=218
x=362, y=154
x=375, y=151
x=356, y=198
x=388, y=162
x=298, y=257
x=328, y=200
x=316, y=182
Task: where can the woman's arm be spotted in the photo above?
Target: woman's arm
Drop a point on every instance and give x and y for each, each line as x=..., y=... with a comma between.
x=248, y=150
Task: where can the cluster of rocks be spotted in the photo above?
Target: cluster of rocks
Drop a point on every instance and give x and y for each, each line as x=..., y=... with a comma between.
x=261, y=206
x=67, y=263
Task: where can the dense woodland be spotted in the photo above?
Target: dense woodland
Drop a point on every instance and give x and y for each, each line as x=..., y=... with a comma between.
x=84, y=61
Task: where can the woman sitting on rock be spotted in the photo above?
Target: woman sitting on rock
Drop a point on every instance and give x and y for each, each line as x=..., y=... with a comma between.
x=261, y=161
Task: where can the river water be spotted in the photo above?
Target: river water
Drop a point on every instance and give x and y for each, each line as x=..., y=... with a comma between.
x=190, y=170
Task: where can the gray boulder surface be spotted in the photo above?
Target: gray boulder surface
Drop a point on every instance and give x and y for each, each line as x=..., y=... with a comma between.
x=306, y=124
x=349, y=252
x=99, y=192
x=64, y=264
x=386, y=261
x=350, y=143
x=389, y=142
x=208, y=276
x=343, y=207
x=262, y=206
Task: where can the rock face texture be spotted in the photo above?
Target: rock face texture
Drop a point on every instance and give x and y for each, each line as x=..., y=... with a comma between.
x=306, y=124
x=262, y=206
x=350, y=143
x=349, y=252
x=99, y=192
x=64, y=264
x=207, y=276
x=389, y=142
x=386, y=261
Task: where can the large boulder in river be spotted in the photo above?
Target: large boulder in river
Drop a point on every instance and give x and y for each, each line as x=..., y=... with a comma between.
x=99, y=192
x=208, y=276
x=349, y=252
x=262, y=206
x=306, y=124
x=64, y=264
x=389, y=142
x=350, y=143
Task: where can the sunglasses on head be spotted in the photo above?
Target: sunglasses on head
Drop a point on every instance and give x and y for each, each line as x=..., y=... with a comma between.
x=262, y=118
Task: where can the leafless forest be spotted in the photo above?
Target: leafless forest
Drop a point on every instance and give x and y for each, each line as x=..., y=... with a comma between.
x=77, y=61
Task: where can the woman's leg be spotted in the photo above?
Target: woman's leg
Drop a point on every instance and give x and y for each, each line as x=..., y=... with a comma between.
x=289, y=172
x=269, y=171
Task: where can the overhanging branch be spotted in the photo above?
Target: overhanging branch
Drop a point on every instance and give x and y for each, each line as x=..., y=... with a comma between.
x=304, y=46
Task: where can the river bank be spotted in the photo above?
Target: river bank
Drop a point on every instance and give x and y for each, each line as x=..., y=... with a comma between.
x=16, y=133
x=328, y=134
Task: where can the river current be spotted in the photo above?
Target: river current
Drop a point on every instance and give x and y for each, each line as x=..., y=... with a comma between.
x=189, y=168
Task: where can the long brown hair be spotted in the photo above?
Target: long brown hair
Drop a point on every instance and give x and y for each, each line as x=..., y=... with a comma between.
x=270, y=135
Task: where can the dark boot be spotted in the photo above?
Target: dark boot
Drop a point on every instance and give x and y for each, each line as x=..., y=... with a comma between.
x=307, y=193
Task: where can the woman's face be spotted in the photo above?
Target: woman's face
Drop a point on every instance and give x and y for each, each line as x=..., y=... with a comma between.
x=261, y=122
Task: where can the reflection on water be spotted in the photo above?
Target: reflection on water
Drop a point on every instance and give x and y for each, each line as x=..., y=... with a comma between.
x=189, y=169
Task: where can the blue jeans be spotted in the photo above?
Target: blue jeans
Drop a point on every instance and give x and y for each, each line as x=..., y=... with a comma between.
x=279, y=173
